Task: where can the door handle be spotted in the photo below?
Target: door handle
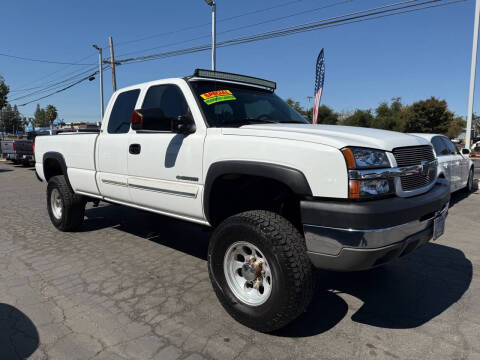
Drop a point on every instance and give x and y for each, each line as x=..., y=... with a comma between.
x=134, y=149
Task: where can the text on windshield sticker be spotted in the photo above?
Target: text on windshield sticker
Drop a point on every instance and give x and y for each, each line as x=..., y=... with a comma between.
x=213, y=97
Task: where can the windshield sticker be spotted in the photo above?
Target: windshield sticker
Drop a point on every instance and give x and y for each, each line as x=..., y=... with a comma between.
x=213, y=97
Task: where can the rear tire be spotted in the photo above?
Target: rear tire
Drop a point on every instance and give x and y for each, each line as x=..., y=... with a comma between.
x=65, y=208
x=284, y=285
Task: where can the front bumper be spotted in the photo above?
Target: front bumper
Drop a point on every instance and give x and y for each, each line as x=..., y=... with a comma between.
x=349, y=236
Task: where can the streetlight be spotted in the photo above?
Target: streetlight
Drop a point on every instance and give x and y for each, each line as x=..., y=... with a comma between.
x=472, y=76
x=100, y=65
x=213, y=5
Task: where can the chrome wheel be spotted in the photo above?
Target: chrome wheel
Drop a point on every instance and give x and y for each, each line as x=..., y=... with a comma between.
x=247, y=273
x=56, y=204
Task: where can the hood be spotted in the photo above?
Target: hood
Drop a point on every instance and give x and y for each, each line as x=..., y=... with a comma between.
x=331, y=135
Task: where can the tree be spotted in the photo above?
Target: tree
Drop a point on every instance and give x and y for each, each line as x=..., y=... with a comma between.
x=390, y=117
x=11, y=119
x=326, y=115
x=4, y=89
x=361, y=118
x=456, y=127
x=40, y=119
x=429, y=116
x=50, y=114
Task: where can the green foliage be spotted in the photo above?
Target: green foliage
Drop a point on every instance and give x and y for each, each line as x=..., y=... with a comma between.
x=40, y=118
x=4, y=89
x=361, y=118
x=425, y=116
x=429, y=116
x=456, y=127
x=326, y=115
x=12, y=120
x=50, y=113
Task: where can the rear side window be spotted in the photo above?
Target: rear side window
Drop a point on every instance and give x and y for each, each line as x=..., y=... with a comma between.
x=119, y=122
x=440, y=146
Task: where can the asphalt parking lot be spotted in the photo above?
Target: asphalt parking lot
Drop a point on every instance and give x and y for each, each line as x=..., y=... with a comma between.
x=134, y=285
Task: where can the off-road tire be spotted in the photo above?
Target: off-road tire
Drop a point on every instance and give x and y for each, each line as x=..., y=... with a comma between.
x=73, y=205
x=284, y=248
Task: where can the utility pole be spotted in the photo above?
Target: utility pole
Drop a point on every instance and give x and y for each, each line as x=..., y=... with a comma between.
x=112, y=62
x=472, y=76
x=213, y=5
x=100, y=65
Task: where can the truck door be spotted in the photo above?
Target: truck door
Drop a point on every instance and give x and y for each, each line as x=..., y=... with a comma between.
x=112, y=148
x=165, y=168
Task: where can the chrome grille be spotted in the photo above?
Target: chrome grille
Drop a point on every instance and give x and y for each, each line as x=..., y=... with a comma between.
x=416, y=155
x=415, y=181
x=413, y=155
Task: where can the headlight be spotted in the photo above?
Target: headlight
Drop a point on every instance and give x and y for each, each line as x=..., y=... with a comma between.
x=361, y=189
x=361, y=158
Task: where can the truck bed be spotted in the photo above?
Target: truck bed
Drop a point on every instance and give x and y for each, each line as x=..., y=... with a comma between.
x=78, y=152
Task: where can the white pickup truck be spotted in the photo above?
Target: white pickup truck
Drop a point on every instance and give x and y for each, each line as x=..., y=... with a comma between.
x=222, y=150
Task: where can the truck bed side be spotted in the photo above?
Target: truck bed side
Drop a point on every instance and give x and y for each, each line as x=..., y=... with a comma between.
x=78, y=153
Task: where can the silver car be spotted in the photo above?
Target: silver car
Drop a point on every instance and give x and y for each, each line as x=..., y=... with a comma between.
x=453, y=164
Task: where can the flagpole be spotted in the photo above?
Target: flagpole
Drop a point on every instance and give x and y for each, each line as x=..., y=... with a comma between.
x=472, y=76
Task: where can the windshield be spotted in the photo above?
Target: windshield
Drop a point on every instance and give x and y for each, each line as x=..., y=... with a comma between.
x=226, y=104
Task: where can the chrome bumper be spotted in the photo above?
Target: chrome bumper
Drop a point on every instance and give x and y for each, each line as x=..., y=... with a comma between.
x=349, y=249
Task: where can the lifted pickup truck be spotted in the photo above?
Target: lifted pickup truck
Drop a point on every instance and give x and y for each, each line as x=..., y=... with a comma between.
x=222, y=150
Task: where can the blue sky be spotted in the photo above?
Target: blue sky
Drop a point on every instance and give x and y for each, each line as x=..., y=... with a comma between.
x=412, y=56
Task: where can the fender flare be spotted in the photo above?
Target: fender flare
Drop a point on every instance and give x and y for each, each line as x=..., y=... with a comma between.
x=294, y=179
x=61, y=160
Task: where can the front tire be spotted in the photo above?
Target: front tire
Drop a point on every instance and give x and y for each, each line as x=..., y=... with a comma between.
x=260, y=270
x=65, y=208
x=469, y=187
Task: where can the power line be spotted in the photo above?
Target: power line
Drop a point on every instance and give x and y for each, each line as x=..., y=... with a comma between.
x=208, y=24
x=310, y=26
x=55, y=84
x=243, y=27
x=49, y=75
x=41, y=60
x=63, y=89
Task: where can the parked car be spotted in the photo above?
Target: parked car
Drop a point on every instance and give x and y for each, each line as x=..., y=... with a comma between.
x=453, y=164
x=222, y=150
x=18, y=151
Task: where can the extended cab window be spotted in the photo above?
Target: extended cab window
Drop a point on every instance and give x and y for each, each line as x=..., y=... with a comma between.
x=170, y=101
x=119, y=122
x=440, y=146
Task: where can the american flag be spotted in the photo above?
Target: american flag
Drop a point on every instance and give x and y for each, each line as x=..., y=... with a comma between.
x=319, y=79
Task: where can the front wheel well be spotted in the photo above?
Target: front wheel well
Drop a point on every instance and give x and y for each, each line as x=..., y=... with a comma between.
x=234, y=193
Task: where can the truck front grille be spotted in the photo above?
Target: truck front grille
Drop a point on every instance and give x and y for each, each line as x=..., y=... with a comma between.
x=413, y=155
x=416, y=155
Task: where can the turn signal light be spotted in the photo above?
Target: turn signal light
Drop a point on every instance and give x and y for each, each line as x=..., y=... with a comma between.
x=349, y=158
x=354, y=189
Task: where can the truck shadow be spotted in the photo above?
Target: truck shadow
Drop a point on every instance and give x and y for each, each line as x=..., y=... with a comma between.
x=403, y=295
x=162, y=230
x=18, y=335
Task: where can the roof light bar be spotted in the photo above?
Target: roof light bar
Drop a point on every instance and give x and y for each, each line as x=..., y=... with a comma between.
x=219, y=75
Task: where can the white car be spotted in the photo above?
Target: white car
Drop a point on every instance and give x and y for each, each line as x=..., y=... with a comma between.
x=281, y=194
x=453, y=164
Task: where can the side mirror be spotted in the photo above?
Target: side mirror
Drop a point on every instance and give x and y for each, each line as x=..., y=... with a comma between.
x=465, y=151
x=183, y=124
